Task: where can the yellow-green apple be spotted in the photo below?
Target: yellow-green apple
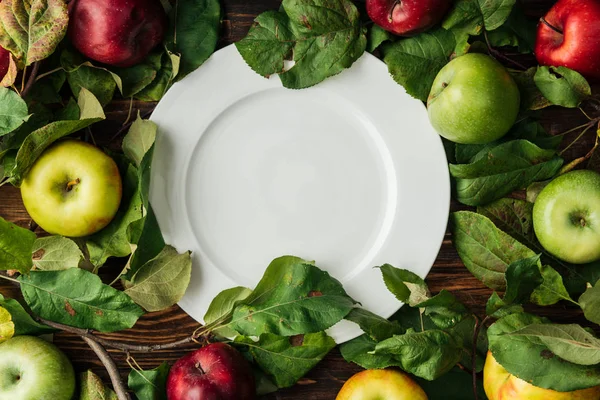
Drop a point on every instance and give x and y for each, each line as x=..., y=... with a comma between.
x=569, y=36
x=33, y=369
x=214, y=372
x=566, y=217
x=376, y=384
x=73, y=189
x=407, y=17
x=116, y=32
x=500, y=385
x=473, y=100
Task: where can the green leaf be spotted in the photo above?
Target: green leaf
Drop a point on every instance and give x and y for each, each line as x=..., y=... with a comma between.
x=24, y=324
x=376, y=327
x=13, y=111
x=149, y=244
x=501, y=170
x=522, y=277
x=551, y=290
x=69, y=112
x=151, y=384
x=135, y=79
x=444, y=309
x=46, y=90
x=55, y=253
x=287, y=359
x=98, y=81
x=486, y=250
x=497, y=308
x=377, y=36
x=92, y=388
x=452, y=386
x=162, y=281
x=360, y=351
x=523, y=27
x=15, y=247
x=562, y=86
x=139, y=139
x=193, y=32
x=470, y=17
x=39, y=140
x=428, y=354
x=569, y=342
x=32, y=30
x=463, y=332
x=159, y=86
x=293, y=297
x=514, y=217
x=531, y=96
x=326, y=36
x=525, y=357
x=407, y=286
x=415, y=62
x=7, y=326
x=222, y=306
x=268, y=43
x=590, y=303
x=89, y=304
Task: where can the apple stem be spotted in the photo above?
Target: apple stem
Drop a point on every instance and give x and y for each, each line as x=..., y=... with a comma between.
x=72, y=184
x=198, y=366
x=549, y=25
x=391, y=15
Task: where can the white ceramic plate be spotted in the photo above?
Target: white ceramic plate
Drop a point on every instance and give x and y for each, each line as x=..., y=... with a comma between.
x=348, y=173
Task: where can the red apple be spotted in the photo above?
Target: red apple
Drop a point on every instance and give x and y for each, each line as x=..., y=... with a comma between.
x=4, y=62
x=215, y=372
x=116, y=32
x=569, y=36
x=407, y=17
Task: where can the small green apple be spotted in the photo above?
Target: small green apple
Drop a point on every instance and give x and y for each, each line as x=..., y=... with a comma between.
x=73, y=189
x=473, y=100
x=566, y=217
x=500, y=385
x=377, y=384
x=33, y=369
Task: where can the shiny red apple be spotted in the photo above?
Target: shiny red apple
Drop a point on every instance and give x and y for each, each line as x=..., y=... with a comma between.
x=215, y=372
x=407, y=17
x=4, y=62
x=569, y=36
x=116, y=32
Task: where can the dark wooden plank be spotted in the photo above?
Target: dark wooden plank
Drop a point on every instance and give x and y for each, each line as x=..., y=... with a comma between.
x=325, y=380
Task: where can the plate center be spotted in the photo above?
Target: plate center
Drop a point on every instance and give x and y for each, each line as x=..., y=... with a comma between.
x=287, y=172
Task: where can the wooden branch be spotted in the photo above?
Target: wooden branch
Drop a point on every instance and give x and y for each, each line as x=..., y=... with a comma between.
x=111, y=367
x=32, y=79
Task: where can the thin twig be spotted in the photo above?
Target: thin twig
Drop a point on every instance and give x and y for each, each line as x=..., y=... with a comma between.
x=111, y=367
x=498, y=54
x=31, y=80
x=127, y=125
x=577, y=138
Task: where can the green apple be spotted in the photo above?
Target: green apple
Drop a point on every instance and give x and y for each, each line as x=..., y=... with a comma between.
x=33, y=369
x=499, y=384
x=566, y=217
x=378, y=384
x=473, y=100
x=73, y=189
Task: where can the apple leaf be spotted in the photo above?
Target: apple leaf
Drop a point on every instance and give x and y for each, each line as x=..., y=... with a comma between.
x=7, y=326
x=377, y=36
x=525, y=356
x=13, y=111
x=162, y=281
x=521, y=28
x=24, y=323
x=92, y=388
x=376, y=327
x=98, y=81
x=324, y=36
x=149, y=244
x=590, y=303
x=31, y=30
x=293, y=297
x=470, y=17
x=452, y=386
x=501, y=170
x=46, y=90
x=39, y=140
x=485, y=250
x=569, y=342
x=89, y=304
x=150, y=384
x=286, y=359
x=139, y=140
x=360, y=351
x=55, y=253
x=165, y=75
x=193, y=32
x=443, y=309
x=15, y=247
x=428, y=354
x=222, y=306
x=140, y=76
x=497, y=308
x=531, y=96
x=407, y=286
x=562, y=86
x=415, y=62
x=551, y=290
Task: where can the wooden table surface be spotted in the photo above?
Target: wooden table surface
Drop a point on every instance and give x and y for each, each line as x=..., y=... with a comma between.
x=326, y=379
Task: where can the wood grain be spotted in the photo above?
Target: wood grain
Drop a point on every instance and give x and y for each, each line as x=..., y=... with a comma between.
x=326, y=379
